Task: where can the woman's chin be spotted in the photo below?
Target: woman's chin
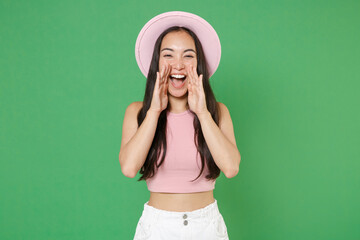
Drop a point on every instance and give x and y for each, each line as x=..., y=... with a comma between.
x=178, y=92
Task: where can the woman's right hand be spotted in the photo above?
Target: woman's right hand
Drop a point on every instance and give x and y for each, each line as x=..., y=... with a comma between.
x=160, y=98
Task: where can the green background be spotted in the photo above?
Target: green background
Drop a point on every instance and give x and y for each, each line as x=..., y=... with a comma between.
x=289, y=74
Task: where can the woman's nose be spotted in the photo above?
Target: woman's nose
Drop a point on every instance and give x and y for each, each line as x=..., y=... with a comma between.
x=178, y=64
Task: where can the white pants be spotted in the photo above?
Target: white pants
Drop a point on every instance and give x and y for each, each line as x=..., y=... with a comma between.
x=204, y=223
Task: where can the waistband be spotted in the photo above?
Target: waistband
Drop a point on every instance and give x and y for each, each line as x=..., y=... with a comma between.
x=209, y=211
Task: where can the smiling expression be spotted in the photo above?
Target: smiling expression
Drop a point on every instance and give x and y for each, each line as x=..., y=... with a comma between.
x=178, y=50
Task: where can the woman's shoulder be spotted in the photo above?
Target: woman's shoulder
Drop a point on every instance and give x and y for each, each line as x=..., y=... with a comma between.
x=222, y=107
x=223, y=112
x=135, y=106
x=139, y=104
x=132, y=110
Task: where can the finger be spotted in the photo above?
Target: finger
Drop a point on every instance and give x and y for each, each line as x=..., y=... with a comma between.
x=189, y=73
x=196, y=77
x=158, y=82
x=168, y=72
x=162, y=72
x=157, y=79
x=165, y=88
x=166, y=76
x=193, y=76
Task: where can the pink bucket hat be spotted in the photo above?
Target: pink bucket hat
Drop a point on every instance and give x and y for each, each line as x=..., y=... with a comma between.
x=146, y=39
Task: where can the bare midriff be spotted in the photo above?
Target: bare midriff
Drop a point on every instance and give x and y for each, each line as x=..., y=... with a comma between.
x=181, y=202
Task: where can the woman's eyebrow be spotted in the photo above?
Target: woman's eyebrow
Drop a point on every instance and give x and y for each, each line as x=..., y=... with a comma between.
x=170, y=49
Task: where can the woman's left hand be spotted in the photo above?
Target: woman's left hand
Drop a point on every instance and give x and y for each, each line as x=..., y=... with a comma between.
x=196, y=95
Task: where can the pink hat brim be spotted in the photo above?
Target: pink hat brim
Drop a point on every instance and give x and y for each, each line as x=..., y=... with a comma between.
x=207, y=35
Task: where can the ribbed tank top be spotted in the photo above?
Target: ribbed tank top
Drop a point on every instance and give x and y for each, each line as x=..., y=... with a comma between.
x=182, y=162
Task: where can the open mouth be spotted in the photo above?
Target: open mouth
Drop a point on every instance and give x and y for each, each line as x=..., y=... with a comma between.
x=178, y=80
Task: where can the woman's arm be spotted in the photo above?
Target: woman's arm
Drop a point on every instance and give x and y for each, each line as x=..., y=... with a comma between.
x=221, y=141
x=136, y=142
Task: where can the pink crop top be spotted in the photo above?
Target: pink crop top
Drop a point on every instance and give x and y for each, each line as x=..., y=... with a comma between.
x=182, y=162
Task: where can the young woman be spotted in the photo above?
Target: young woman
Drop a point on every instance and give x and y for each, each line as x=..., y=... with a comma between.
x=179, y=137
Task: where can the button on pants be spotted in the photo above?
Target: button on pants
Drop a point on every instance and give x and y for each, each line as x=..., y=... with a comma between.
x=204, y=223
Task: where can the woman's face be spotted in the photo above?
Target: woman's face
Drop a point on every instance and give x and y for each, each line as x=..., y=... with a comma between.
x=178, y=51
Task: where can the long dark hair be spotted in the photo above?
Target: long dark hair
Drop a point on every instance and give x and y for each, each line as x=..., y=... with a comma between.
x=150, y=165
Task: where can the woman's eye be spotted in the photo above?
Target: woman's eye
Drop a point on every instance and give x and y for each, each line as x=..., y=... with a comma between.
x=168, y=55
